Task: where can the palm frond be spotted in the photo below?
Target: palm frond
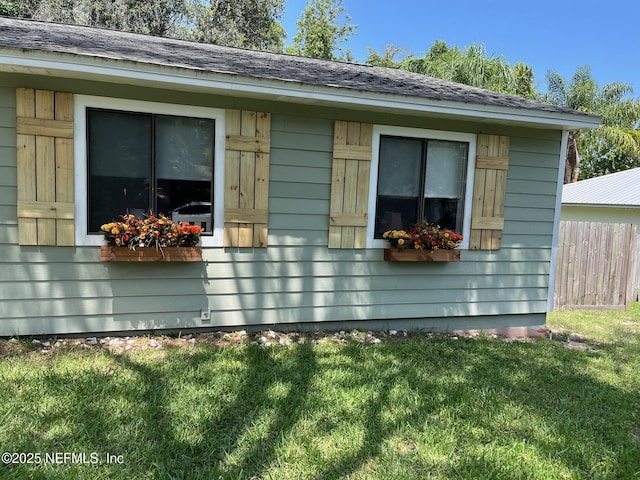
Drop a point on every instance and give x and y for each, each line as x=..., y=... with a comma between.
x=614, y=92
x=556, y=88
x=627, y=140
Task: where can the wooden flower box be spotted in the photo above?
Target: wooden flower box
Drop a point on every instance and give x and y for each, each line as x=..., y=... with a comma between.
x=395, y=255
x=111, y=253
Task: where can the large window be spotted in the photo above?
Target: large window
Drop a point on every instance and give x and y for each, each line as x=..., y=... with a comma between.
x=155, y=158
x=141, y=162
x=419, y=176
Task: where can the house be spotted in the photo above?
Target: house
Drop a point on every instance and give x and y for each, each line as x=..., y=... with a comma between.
x=613, y=198
x=304, y=163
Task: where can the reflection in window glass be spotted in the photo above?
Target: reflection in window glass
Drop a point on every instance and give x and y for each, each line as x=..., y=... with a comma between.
x=420, y=180
x=184, y=169
x=398, y=183
x=142, y=162
x=444, y=183
x=119, y=165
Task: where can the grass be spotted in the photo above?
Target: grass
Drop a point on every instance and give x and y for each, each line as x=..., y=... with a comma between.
x=424, y=407
x=598, y=325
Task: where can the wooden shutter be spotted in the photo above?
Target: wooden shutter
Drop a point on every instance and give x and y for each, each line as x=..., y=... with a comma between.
x=44, y=127
x=350, y=184
x=246, y=197
x=490, y=181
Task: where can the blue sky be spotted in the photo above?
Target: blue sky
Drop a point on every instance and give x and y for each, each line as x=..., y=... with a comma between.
x=559, y=35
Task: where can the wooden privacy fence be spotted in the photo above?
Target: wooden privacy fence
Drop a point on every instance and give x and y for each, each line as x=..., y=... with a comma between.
x=598, y=265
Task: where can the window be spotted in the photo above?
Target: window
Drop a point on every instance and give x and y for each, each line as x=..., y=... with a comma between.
x=141, y=157
x=140, y=162
x=420, y=175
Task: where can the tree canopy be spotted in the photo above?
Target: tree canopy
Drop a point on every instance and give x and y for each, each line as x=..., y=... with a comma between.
x=240, y=23
x=470, y=65
x=322, y=29
x=613, y=146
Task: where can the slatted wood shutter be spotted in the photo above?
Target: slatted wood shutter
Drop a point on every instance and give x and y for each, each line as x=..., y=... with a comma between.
x=44, y=127
x=350, y=169
x=246, y=198
x=487, y=213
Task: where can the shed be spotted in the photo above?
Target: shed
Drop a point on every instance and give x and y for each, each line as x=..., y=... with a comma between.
x=296, y=165
x=612, y=198
x=599, y=242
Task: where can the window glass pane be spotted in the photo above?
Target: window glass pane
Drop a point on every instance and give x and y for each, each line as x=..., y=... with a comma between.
x=446, y=162
x=119, y=164
x=399, y=170
x=444, y=212
x=444, y=183
x=184, y=169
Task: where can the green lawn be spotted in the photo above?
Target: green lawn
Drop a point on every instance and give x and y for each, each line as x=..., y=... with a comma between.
x=423, y=407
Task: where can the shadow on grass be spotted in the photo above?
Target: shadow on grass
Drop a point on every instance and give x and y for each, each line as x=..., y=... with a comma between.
x=231, y=413
x=585, y=427
x=223, y=433
x=147, y=431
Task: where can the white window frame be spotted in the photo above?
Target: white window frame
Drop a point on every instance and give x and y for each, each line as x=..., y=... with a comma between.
x=82, y=102
x=382, y=130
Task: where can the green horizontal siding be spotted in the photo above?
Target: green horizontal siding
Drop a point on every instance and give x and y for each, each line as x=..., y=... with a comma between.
x=297, y=191
x=69, y=255
x=309, y=305
x=7, y=176
x=8, y=134
x=8, y=194
x=7, y=157
x=282, y=269
x=124, y=323
x=297, y=279
x=27, y=290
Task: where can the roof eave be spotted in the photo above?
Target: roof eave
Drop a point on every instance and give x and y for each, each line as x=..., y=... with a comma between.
x=189, y=79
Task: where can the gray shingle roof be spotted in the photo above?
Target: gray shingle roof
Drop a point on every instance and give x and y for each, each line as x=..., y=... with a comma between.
x=146, y=49
x=621, y=188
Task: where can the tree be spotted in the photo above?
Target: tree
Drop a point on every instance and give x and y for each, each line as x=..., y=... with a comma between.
x=524, y=80
x=242, y=23
x=156, y=17
x=388, y=58
x=618, y=136
x=13, y=8
x=321, y=30
x=471, y=66
x=19, y=8
x=600, y=158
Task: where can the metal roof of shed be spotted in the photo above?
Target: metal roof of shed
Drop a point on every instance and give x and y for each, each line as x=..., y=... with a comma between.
x=615, y=189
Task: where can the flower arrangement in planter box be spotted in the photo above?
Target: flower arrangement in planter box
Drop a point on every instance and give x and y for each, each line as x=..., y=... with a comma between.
x=423, y=242
x=155, y=237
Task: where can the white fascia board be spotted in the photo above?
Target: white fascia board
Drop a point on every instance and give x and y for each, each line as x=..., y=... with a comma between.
x=189, y=79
